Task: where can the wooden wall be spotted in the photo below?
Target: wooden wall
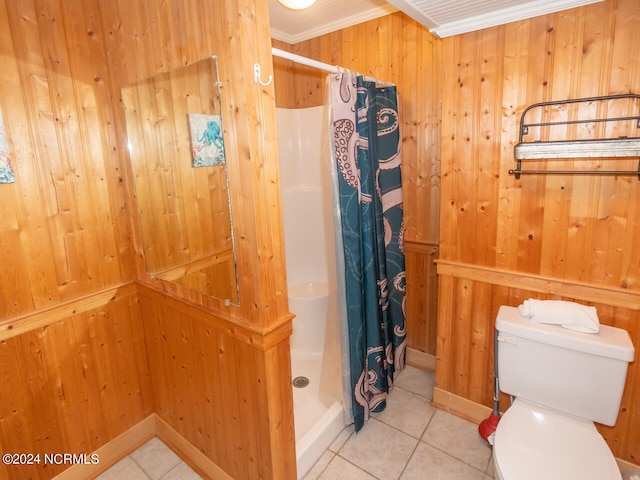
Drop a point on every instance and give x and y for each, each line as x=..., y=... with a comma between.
x=504, y=240
x=73, y=385
x=72, y=350
x=221, y=373
x=393, y=48
x=71, y=326
x=73, y=332
x=64, y=222
x=212, y=379
x=158, y=37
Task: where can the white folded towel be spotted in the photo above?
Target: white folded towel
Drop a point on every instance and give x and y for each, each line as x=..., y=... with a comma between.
x=571, y=315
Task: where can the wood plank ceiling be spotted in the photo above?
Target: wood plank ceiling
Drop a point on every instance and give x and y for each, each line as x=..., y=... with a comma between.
x=442, y=17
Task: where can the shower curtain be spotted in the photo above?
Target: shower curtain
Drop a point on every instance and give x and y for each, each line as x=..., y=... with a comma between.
x=369, y=234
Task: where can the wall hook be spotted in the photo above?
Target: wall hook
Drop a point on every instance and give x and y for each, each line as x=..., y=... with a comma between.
x=257, y=74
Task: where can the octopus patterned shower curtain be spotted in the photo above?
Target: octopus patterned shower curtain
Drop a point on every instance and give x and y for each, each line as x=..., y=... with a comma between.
x=369, y=233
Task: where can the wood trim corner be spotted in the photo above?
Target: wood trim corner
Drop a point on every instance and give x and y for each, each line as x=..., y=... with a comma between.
x=46, y=316
x=460, y=406
x=197, y=460
x=138, y=435
x=113, y=451
x=420, y=359
x=262, y=340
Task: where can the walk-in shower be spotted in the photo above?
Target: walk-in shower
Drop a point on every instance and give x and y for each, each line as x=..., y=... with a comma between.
x=310, y=255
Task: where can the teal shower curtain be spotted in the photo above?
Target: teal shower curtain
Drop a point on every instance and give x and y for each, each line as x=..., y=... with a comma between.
x=366, y=149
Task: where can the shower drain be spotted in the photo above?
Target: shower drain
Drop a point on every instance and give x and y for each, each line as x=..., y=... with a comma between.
x=300, y=382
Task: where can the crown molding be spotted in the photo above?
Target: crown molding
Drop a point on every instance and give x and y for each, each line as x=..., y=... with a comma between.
x=340, y=24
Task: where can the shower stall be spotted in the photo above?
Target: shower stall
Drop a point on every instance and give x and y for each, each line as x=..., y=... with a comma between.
x=305, y=178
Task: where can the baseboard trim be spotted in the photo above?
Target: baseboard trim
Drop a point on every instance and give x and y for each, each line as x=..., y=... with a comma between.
x=113, y=451
x=125, y=443
x=460, y=406
x=197, y=460
x=420, y=360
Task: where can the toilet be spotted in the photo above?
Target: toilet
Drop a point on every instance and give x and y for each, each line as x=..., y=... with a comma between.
x=563, y=381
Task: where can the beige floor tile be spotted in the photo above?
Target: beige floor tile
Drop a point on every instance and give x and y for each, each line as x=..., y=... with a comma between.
x=459, y=438
x=342, y=438
x=320, y=466
x=406, y=411
x=340, y=469
x=125, y=468
x=182, y=471
x=490, y=466
x=416, y=381
x=429, y=463
x=155, y=458
x=379, y=449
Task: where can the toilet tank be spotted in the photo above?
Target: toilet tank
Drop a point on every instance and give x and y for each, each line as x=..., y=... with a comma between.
x=582, y=374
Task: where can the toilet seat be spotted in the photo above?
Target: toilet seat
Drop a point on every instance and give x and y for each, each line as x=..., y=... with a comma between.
x=533, y=443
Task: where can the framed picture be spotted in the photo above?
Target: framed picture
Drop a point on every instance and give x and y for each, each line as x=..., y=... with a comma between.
x=207, y=145
x=6, y=170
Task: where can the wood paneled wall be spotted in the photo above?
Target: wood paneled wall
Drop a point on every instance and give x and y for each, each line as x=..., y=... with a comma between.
x=504, y=240
x=73, y=386
x=72, y=334
x=221, y=373
x=238, y=412
x=72, y=355
x=64, y=222
x=157, y=37
x=70, y=324
x=396, y=49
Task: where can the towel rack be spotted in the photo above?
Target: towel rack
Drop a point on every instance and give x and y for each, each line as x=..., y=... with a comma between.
x=605, y=136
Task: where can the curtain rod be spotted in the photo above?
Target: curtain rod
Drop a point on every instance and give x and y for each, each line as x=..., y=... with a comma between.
x=319, y=65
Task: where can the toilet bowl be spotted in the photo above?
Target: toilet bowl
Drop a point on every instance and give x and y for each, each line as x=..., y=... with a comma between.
x=563, y=381
x=534, y=443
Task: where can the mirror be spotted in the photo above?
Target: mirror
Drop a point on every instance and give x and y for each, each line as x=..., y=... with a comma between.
x=177, y=151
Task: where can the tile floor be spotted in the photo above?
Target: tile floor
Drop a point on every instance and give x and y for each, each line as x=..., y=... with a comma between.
x=152, y=461
x=421, y=442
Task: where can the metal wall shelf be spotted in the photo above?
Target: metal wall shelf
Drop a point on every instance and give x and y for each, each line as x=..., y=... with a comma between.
x=603, y=147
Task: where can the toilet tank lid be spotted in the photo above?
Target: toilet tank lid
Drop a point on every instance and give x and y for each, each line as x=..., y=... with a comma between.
x=610, y=342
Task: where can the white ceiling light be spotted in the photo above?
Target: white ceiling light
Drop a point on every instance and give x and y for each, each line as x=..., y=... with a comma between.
x=297, y=4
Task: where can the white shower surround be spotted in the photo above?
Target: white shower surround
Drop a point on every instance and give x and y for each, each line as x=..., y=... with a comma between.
x=310, y=256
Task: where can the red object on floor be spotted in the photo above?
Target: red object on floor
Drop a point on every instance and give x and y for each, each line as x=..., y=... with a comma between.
x=487, y=428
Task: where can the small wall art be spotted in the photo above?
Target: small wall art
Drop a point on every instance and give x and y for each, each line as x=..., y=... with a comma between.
x=6, y=170
x=207, y=145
